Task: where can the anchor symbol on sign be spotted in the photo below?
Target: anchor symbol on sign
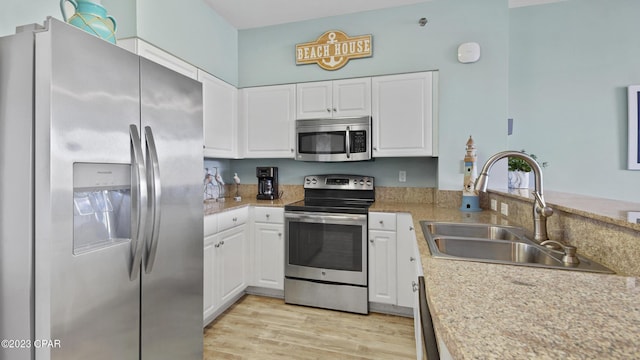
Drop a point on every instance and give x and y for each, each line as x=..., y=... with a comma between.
x=332, y=61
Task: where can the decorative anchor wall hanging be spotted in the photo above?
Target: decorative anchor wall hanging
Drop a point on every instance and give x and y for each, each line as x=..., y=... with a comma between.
x=333, y=49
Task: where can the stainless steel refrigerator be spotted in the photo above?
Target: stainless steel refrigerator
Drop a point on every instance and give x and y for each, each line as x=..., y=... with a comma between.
x=101, y=217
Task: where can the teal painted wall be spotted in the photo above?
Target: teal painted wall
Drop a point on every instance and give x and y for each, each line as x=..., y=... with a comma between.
x=125, y=12
x=188, y=29
x=421, y=172
x=20, y=12
x=472, y=97
x=570, y=64
x=194, y=32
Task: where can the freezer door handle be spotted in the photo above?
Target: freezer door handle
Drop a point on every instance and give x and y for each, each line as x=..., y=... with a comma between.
x=153, y=176
x=138, y=201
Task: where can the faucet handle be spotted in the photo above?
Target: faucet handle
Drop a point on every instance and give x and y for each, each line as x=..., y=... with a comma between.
x=569, y=257
x=545, y=211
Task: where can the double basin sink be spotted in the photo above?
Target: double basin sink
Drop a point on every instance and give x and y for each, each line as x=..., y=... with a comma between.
x=496, y=244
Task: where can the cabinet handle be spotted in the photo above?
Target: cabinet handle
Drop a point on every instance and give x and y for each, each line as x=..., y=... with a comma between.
x=268, y=216
x=235, y=219
x=412, y=259
x=410, y=228
x=291, y=150
x=217, y=245
x=371, y=241
x=414, y=286
x=335, y=110
x=375, y=148
x=328, y=110
x=221, y=243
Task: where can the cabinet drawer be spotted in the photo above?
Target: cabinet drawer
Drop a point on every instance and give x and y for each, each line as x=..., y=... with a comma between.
x=382, y=221
x=210, y=225
x=231, y=218
x=272, y=215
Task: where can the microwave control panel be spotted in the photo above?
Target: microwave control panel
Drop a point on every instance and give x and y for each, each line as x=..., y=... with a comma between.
x=358, y=141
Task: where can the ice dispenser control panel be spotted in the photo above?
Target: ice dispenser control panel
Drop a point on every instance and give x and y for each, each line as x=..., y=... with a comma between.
x=101, y=205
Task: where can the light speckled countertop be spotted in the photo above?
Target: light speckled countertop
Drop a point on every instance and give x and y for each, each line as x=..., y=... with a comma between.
x=489, y=311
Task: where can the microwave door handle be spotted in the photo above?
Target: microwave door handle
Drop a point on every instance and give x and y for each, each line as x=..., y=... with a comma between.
x=348, y=142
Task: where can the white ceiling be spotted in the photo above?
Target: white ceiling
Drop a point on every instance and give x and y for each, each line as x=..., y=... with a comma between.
x=246, y=14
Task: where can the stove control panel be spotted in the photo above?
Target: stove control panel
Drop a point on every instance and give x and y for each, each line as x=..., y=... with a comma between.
x=340, y=182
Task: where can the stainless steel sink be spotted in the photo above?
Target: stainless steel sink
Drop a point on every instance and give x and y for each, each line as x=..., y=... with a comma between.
x=476, y=231
x=496, y=244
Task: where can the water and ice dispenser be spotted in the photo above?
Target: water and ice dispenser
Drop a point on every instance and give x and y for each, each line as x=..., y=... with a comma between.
x=101, y=205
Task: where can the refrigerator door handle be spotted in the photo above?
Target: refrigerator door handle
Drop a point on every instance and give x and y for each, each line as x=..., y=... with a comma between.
x=153, y=176
x=138, y=201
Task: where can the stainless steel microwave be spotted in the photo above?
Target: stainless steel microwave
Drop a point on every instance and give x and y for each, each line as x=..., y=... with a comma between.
x=333, y=139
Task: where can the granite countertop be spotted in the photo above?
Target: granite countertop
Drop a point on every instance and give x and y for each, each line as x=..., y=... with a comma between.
x=212, y=207
x=515, y=312
x=495, y=311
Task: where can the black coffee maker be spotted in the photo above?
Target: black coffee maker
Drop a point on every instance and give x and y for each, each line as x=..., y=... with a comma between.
x=267, y=183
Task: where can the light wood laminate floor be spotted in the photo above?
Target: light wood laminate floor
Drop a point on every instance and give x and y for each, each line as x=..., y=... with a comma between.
x=266, y=328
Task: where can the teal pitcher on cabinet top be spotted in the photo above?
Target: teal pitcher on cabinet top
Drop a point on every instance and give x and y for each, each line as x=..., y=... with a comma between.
x=92, y=18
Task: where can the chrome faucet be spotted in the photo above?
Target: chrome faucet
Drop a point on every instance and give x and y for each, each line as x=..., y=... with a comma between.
x=540, y=209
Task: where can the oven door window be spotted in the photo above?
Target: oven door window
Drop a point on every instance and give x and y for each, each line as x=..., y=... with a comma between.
x=325, y=142
x=326, y=246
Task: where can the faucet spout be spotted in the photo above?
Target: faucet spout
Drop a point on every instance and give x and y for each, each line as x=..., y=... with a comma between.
x=540, y=209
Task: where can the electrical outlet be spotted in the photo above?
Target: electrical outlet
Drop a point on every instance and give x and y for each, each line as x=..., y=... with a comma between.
x=504, y=209
x=494, y=204
x=402, y=176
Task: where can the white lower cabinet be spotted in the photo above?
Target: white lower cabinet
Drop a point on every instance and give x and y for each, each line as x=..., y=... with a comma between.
x=408, y=260
x=231, y=257
x=225, y=260
x=268, y=248
x=382, y=258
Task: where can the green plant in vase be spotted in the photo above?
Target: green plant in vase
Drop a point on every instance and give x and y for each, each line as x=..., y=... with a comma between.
x=519, y=171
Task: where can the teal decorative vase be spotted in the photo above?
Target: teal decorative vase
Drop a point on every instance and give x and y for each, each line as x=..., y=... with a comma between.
x=92, y=18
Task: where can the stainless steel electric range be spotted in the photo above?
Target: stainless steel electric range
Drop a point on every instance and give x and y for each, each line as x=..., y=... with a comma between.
x=326, y=243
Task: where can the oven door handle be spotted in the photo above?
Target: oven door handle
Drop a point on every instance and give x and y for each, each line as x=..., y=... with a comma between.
x=324, y=217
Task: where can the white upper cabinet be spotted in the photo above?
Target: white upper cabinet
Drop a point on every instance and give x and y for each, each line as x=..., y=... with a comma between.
x=157, y=55
x=404, y=115
x=220, y=108
x=339, y=98
x=267, y=115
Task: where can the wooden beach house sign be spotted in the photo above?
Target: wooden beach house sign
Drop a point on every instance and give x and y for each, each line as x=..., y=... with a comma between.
x=333, y=49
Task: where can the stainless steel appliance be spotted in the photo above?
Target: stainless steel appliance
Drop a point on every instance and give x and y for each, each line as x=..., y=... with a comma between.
x=267, y=183
x=334, y=139
x=326, y=243
x=101, y=215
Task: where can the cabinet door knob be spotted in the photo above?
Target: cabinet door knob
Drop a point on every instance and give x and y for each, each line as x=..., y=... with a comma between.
x=217, y=245
x=414, y=286
x=412, y=259
x=381, y=222
x=375, y=148
x=268, y=216
x=328, y=110
x=335, y=110
x=279, y=234
x=235, y=219
x=371, y=241
x=221, y=243
x=410, y=228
